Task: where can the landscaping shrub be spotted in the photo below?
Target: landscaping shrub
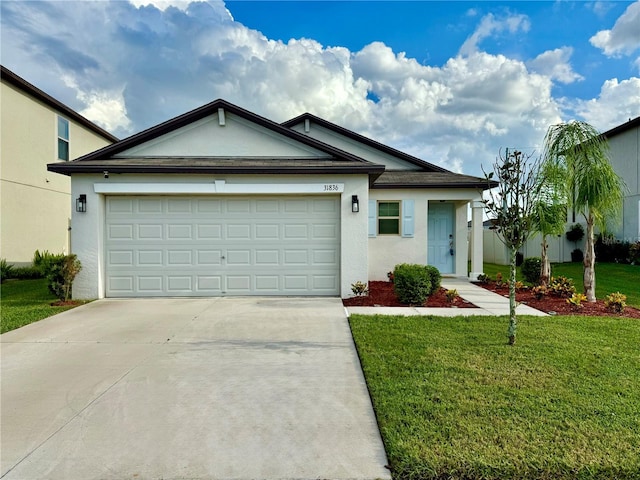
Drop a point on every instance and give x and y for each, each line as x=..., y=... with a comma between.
x=5, y=270
x=60, y=275
x=531, y=270
x=45, y=261
x=609, y=249
x=562, y=287
x=616, y=302
x=26, y=273
x=412, y=283
x=576, y=300
x=435, y=278
x=634, y=253
x=577, y=255
x=359, y=288
x=575, y=233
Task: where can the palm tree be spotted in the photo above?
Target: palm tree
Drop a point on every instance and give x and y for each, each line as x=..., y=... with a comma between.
x=548, y=217
x=587, y=182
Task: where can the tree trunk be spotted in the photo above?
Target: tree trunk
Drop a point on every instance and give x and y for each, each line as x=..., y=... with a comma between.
x=545, y=264
x=589, y=262
x=513, y=321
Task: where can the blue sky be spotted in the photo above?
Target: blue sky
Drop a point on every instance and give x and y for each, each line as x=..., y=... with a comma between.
x=450, y=82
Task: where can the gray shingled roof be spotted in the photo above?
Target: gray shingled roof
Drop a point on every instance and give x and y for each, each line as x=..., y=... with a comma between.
x=410, y=179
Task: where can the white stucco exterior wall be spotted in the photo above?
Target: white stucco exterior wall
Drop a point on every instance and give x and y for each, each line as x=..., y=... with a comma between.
x=386, y=251
x=88, y=228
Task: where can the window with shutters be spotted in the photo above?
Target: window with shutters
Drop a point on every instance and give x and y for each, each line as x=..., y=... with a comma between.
x=389, y=218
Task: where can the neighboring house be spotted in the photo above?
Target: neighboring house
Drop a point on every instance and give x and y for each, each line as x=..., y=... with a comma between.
x=624, y=152
x=35, y=205
x=624, y=144
x=221, y=201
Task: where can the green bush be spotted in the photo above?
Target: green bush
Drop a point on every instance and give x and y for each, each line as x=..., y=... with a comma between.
x=60, y=273
x=26, y=273
x=531, y=270
x=634, y=253
x=434, y=277
x=562, y=287
x=5, y=270
x=45, y=261
x=412, y=283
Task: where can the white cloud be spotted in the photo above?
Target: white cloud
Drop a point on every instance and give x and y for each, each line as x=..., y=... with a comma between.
x=624, y=37
x=129, y=68
x=105, y=108
x=490, y=26
x=555, y=65
x=617, y=102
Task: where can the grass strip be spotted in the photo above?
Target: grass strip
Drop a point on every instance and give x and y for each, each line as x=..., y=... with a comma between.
x=454, y=401
x=24, y=302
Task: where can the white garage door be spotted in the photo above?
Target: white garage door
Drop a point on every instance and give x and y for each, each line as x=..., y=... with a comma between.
x=209, y=246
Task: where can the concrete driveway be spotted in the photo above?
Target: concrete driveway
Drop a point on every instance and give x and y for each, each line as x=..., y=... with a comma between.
x=225, y=388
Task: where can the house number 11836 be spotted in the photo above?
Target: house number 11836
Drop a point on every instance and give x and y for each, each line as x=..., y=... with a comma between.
x=330, y=187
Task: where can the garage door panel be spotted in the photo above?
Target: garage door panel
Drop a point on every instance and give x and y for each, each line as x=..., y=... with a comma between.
x=296, y=231
x=208, y=231
x=210, y=284
x=150, y=284
x=179, y=283
x=267, y=284
x=120, y=232
x=179, y=258
x=150, y=258
x=120, y=205
x=208, y=257
x=179, y=206
x=148, y=206
x=198, y=246
x=150, y=231
x=267, y=232
x=267, y=257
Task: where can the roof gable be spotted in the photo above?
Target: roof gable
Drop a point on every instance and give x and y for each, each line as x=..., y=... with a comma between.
x=222, y=134
x=155, y=136
x=219, y=138
x=357, y=144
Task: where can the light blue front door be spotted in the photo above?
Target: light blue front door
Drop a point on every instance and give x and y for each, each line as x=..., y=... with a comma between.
x=441, y=242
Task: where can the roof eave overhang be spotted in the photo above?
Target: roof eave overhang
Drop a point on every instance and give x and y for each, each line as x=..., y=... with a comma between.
x=374, y=171
x=389, y=186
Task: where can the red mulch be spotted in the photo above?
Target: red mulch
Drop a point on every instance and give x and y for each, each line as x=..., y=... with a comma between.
x=551, y=303
x=68, y=303
x=381, y=294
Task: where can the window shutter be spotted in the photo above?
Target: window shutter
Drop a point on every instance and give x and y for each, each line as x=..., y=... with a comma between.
x=372, y=218
x=408, y=222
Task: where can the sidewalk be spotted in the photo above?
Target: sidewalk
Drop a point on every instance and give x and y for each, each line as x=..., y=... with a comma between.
x=488, y=303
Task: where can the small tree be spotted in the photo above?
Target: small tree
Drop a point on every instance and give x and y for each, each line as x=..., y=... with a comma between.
x=550, y=210
x=512, y=204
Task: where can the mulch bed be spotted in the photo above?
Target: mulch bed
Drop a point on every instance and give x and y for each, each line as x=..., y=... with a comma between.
x=381, y=294
x=559, y=306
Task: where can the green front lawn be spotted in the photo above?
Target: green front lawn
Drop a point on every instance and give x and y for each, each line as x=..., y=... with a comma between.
x=24, y=302
x=610, y=277
x=454, y=401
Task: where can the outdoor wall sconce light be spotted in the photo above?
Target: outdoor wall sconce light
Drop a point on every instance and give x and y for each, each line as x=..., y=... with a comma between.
x=81, y=203
x=355, y=204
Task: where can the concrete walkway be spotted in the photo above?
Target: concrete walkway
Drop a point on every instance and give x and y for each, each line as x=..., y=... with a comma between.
x=223, y=388
x=488, y=303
